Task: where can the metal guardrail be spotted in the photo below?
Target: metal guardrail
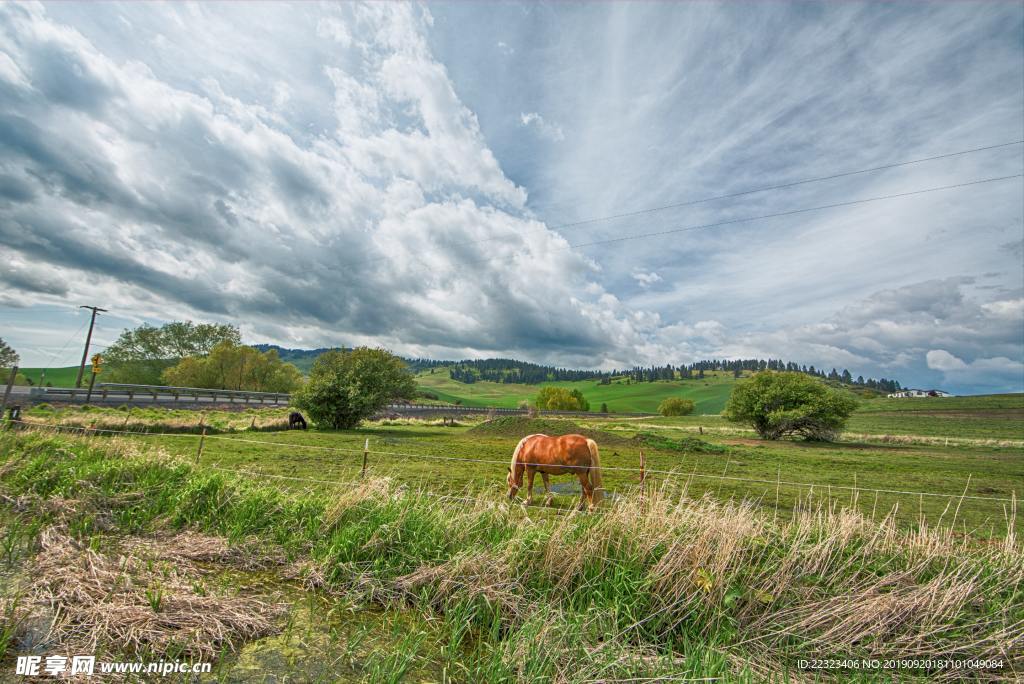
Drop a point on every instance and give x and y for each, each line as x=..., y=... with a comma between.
x=108, y=392
x=113, y=391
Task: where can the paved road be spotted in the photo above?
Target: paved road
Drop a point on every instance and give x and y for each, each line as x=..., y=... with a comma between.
x=21, y=396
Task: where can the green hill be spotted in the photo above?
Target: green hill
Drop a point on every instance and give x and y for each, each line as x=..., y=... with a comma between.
x=57, y=377
x=709, y=394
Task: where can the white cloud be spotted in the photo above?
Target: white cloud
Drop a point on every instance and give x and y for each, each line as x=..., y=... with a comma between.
x=646, y=279
x=335, y=29
x=544, y=128
x=942, y=360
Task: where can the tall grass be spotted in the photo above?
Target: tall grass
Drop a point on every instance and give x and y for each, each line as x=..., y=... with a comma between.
x=650, y=586
x=147, y=420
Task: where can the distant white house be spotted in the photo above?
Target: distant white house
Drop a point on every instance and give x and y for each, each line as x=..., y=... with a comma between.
x=912, y=393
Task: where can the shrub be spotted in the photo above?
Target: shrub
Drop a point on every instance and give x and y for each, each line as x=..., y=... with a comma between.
x=561, y=399
x=345, y=387
x=777, y=404
x=674, y=406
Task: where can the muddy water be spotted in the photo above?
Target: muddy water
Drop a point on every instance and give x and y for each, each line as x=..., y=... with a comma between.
x=331, y=639
x=322, y=638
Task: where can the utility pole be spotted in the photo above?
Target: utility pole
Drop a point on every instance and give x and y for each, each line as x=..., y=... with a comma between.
x=88, y=339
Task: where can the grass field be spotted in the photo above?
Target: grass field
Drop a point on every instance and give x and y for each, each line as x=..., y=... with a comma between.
x=709, y=394
x=910, y=456
x=58, y=377
x=377, y=581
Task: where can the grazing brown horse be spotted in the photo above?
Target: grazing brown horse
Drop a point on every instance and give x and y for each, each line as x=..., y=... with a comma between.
x=570, y=454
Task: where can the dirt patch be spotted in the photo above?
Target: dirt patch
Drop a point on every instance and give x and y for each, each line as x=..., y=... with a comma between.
x=980, y=414
x=685, y=445
x=744, y=442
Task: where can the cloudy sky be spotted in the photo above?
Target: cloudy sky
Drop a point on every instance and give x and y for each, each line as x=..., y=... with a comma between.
x=423, y=177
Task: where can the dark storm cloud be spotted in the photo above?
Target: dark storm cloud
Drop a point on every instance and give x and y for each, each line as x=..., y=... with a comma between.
x=32, y=281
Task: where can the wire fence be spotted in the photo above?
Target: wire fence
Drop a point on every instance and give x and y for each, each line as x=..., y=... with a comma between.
x=668, y=474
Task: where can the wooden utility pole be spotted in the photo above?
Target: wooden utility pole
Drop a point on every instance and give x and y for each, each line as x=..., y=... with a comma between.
x=7, y=391
x=97, y=362
x=88, y=339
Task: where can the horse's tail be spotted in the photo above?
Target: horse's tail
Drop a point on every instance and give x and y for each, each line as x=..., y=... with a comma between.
x=595, y=471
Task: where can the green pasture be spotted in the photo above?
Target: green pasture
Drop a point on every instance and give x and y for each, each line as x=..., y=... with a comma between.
x=709, y=394
x=58, y=377
x=421, y=572
x=397, y=585
x=701, y=454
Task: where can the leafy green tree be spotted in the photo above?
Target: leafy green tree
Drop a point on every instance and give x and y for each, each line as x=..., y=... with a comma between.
x=604, y=407
x=777, y=404
x=142, y=355
x=581, y=401
x=345, y=387
x=235, y=367
x=560, y=399
x=675, y=406
x=8, y=357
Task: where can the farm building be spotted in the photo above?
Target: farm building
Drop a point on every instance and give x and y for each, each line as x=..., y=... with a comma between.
x=912, y=393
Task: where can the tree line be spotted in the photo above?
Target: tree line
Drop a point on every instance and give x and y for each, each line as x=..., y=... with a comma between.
x=510, y=371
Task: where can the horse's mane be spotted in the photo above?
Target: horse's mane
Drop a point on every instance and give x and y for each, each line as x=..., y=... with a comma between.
x=519, y=448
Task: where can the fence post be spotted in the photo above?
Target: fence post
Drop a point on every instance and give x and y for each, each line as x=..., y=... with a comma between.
x=7, y=392
x=199, y=451
x=643, y=464
x=366, y=453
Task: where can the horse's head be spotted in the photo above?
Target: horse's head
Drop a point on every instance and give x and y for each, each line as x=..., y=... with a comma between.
x=513, y=484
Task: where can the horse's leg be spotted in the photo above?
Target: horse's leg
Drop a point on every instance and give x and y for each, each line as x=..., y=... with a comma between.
x=586, y=492
x=547, y=489
x=530, y=472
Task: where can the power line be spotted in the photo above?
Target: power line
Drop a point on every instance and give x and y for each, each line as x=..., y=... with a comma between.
x=795, y=211
x=53, y=356
x=747, y=219
x=780, y=186
x=741, y=193
x=623, y=238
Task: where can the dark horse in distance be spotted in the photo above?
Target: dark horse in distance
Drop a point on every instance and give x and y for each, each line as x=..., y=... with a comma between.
x=296, y=421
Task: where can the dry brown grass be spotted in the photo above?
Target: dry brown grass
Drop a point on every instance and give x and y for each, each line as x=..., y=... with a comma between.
x=190, y=547
x=86, y=423
x=135, y=605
